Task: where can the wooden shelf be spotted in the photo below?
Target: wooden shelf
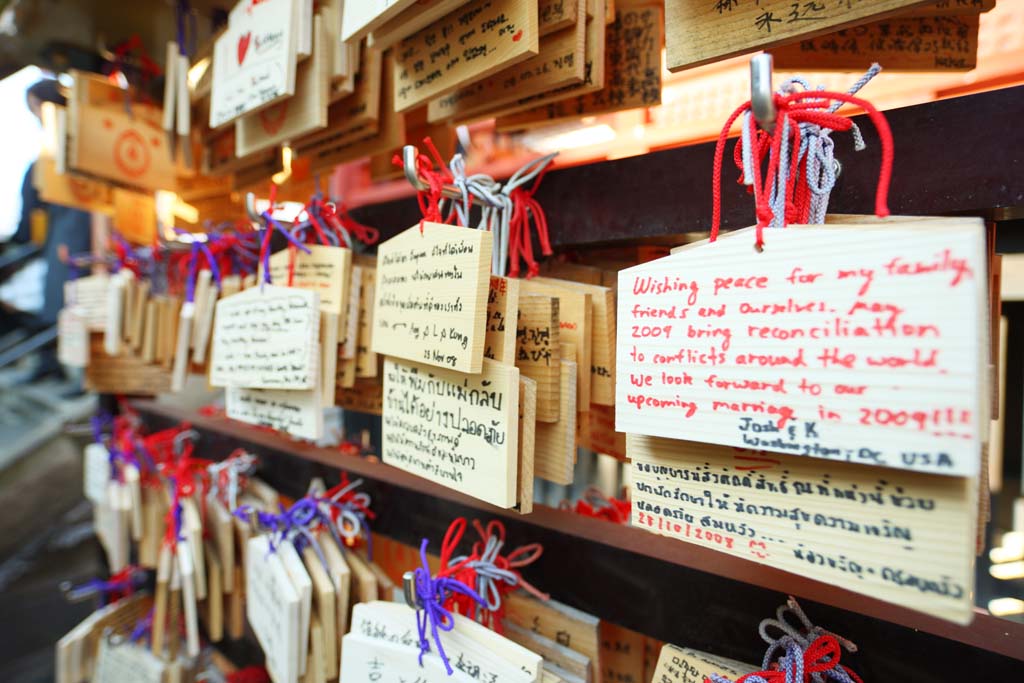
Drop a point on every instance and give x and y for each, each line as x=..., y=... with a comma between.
x=952, y=157
x=671, y=590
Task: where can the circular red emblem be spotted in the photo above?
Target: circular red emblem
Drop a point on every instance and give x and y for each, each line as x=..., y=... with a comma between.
x=131, y=154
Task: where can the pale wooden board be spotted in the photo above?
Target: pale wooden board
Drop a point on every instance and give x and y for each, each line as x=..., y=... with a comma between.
x=329, y=351
x=947, y=43
x=366, y=359
x=349, y=115
x=430, y=294
x=214, y=612
x=272, y=608
x=593, y=79
x=622, y=654
x=702, y=31
x=364, y=581
x=843, y=413
x=298, y=412
x=325, y=609
x=341, y=577
x=246, y=353
x=71, y=189
x=683, y=665
x=502, y=318
x=527, y=429
x=602, y=356
x=130, y=149
x=359, y=17
x=940, y=8
x=475, y=41
x=389, y=136
x=873, y=530
x=559, y=63
x=301, y=113
x=553, y=652
x=417, y=17
x=539, y=351
x=632, y=71
x=454, y=429
x=124, y=374
x=596, y=432
x=561, y=623
x=575, y=312
x=554, y=451
x=554, y=15
x=326, y=270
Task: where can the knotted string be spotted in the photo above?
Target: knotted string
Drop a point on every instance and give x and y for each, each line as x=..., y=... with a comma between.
x=293, y=524
x=436, y=175
x=594, y=503
x=431, y=595
x=118, y=586
x=524, y=208
x=813, y=108
x=199, y=248
x=493, y=575
x=269, y=225
x=819, y=659
x=349, y=510
x=228, y=476
x=143, y=627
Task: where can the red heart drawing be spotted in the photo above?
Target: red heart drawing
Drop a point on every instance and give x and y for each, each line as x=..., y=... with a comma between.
x=243, y=46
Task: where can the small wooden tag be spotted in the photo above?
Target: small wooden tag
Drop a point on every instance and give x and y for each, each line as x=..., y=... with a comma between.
x=539, y=352
x=454, y=429
x=431, y=296
x=502, y=320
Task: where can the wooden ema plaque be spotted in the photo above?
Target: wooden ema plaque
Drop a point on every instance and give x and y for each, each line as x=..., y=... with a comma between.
x=70, y=189
x=632, y=72
x=106, y=141
x=559, y=63
x=254, y=60
x=941, y=43
x=301, y=113
x=702, y=31
x=469, y=44
x=502, y=319
x=431, y=296
x=829, y=344
x=683, y=665
x=457, y=430
x=902, y=537
x=419, y=16
x=124, y=374
x=539, y=352
x=575, y=320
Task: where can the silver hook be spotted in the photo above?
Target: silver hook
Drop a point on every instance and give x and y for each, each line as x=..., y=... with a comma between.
x=409, y=589
x=762, y=97
x=409, y=157
x=250, y=208
x=179, y=440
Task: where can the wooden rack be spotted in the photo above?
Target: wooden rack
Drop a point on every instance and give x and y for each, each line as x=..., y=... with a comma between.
x=957, y=156
x=677, y=592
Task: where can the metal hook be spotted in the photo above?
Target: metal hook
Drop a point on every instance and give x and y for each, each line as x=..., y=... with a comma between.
x=179, y=440
x=762, y=98
x=409, y=163
x=250, y=207
x=409, y=589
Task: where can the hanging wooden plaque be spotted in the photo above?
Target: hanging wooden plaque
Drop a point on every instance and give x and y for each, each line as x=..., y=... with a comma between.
x=454, y=429
x=559, y=63
x=832, y=343
x=944, y=43
x=431, y=296
x=301, y=113
x=254, y=60
x=469, y=44
x=702, y=31
x=632, y=71
x=904, y=537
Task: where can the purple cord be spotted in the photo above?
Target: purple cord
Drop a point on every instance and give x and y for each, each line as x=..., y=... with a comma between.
x=431, y=595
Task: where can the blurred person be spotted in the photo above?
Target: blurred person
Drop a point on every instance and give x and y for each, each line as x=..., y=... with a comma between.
x=68, y=230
